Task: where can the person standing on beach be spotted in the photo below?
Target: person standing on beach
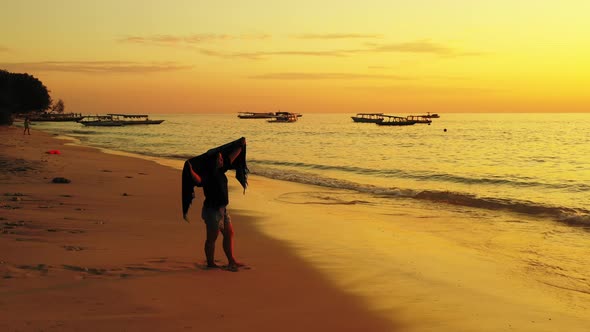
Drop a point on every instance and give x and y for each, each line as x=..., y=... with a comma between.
x=27, y=125
x=214, y=212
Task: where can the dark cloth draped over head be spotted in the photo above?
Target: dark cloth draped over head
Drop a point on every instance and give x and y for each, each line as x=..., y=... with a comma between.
x=203, y=164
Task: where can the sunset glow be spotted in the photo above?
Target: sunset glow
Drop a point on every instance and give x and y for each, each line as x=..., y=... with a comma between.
x=303, y=56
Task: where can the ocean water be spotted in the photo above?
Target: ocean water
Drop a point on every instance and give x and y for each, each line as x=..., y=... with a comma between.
x=498, y=204
x=536, y=164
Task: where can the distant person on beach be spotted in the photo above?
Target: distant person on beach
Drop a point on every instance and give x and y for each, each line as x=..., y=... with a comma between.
x=214, y=212
x=27, y=125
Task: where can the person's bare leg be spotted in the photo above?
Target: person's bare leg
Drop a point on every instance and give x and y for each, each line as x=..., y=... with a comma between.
x=210, y=246
x=228, y=247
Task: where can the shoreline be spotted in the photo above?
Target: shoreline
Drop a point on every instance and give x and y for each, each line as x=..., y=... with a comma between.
x=477, y=189
x=110, y=251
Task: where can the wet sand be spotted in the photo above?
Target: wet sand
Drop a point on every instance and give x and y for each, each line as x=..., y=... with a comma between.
x=431, y=267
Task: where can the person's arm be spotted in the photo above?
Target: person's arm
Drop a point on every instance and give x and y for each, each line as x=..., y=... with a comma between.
x=194, y=175
x=236, y=152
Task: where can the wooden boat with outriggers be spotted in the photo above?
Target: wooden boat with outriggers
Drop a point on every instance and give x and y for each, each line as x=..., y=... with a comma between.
x=133, y=119
x=100, y=121
x=419, y=119
x=279, y=113
x=368, y=117
x=256, y=115
x=116, y=120
x=56, y=117
x=392, y=120
x=284, y=117
x=264, y=115
x=430, y=115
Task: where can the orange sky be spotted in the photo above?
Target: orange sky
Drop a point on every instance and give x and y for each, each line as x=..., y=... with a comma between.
x=305, y=56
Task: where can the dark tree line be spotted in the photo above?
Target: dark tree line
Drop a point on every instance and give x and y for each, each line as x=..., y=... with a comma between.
x=21, y=94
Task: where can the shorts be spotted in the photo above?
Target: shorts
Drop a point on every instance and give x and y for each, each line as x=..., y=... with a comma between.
x=215, y=218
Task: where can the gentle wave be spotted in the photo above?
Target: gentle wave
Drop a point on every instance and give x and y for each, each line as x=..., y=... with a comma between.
x=424, y=176
x=573, y=216
x=524, y=186
x=85, y=132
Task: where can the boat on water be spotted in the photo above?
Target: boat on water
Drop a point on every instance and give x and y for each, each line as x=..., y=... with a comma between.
x=116, y=120
x=100, y=121
x=367, y=117
x=284, y=117
x=264, y=115
x=133, y=119
x=288, y=114
x=430, y=115
x=392, y=120
x=255, y=115
x=56, y=117
x=419, y=119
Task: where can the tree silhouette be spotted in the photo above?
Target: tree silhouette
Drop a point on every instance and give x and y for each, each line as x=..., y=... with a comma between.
x=58, y=107
x=21, y=93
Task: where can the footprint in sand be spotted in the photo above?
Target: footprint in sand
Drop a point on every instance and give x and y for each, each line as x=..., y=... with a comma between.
x=43, y=269
x=28, y=239
x=71, y=231
x=16, y=272
x=73, y=248
x=89, y=270
x=205, y=267
x=13, y=225
x=159, y=260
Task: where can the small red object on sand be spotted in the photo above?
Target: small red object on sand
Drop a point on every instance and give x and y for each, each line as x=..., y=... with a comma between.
x=53, y=152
